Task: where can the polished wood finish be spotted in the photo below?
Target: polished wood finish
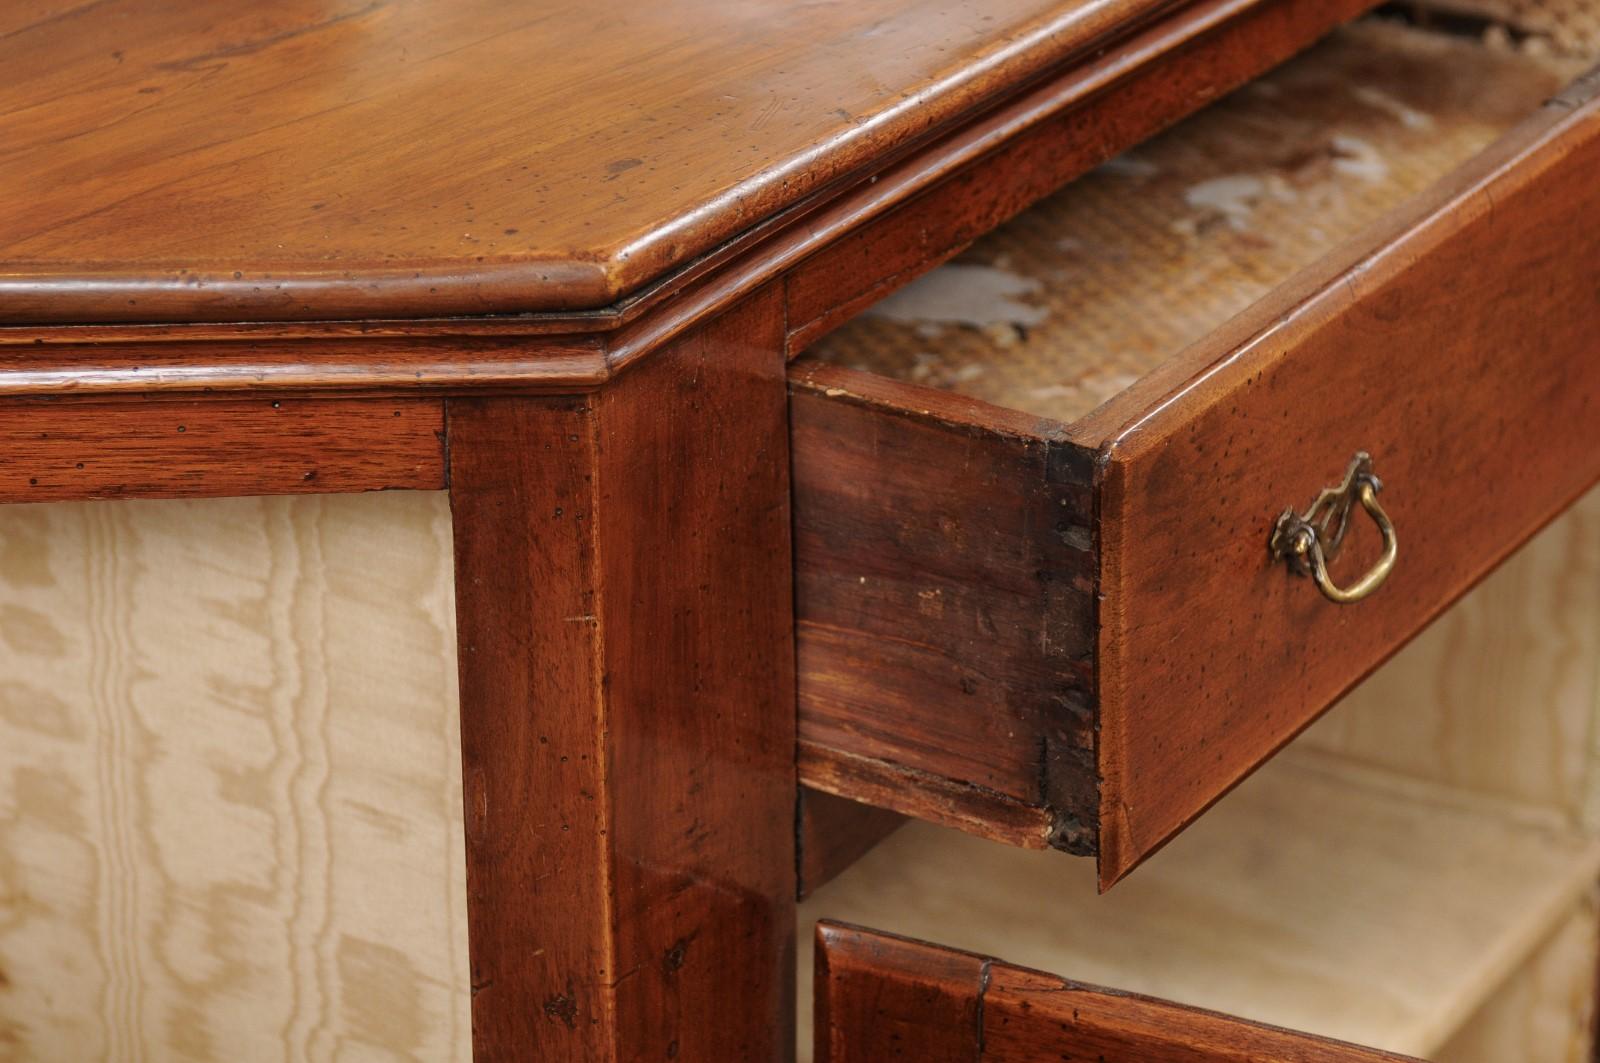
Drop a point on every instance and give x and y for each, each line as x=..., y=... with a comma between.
x=1160, y=69
x=423, y=157
x=833, y=834
x=888, y=998
x=1002, y=629
x=359, y=188
x=628, y=726
x=1486, y=429
x=196, y=449
x=336, y=360
x=207, y=449
x=1028, y=1015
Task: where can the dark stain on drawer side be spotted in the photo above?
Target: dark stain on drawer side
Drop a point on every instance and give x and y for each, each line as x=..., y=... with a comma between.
x=945, y=597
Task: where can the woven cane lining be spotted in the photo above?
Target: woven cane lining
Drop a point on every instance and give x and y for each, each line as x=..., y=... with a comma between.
x=1570, y=27
x=1069, y=303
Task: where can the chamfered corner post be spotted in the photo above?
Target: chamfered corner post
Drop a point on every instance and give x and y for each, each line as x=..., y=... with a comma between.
x=625, y=622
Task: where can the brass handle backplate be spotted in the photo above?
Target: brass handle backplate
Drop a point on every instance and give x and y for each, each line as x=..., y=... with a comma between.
x=1307, y=541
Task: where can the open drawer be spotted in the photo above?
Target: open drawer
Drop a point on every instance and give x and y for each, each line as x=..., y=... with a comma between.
x=1036, y=492
x=1417, y=872
x=885, y=998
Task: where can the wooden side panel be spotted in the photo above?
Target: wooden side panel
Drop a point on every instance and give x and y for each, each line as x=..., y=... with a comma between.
x=532, y=724
x=1463, y=354
x=887, y=998
x=833, y=833
x=210, y=448
x=230, y=790
x=628, y=729
x=943, y=596
x=698, y=614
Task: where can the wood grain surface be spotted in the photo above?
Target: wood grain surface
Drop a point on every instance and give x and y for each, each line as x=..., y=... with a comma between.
x=892, y=998
x=210, y=448
x=1028, y=1014
x=943, y=585
x=364, y=158
x=1541, y=1014
x=883, y=998
x=1485, y=429
x=1348, y=899
x=626, y=629
x=230, y=790
x=342, y=358
x=1042, y=133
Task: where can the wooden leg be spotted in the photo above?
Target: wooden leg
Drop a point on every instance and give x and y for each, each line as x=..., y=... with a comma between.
x=628, y=726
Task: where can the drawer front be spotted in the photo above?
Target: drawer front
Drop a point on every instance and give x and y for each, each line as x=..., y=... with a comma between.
x=1076, y=636
x=887, y=998
x=1460, y=348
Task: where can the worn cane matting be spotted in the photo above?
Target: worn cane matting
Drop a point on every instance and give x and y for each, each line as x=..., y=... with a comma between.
x=1570, y=27
x=1063, y=307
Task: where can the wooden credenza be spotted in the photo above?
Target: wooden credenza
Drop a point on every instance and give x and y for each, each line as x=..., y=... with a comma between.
x=499, y=502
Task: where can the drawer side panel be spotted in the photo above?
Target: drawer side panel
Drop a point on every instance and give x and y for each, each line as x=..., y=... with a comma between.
x=943, y=593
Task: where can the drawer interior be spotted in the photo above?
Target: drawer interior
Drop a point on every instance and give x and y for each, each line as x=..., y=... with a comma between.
x=1416, y=873
x=1073, y=301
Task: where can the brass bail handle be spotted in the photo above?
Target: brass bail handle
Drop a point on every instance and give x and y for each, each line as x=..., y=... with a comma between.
x=1306, y=541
